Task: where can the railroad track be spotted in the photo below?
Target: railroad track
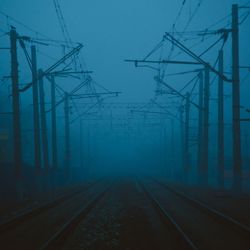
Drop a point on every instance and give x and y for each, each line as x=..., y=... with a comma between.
x=60, y=237
x=32, y=212
x=214, y=212
x=193, y=221
x=186, y=242
x=50, y=225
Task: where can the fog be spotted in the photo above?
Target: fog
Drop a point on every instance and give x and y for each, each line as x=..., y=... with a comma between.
x=121, y=121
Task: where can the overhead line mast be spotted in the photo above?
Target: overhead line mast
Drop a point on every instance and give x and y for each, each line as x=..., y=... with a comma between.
x=237, y=162
x=15, y=103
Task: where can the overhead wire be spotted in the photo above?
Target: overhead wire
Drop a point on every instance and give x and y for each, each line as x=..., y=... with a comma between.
x=193, y=14
x=163, y=68
x=185, y=28
x=211, y=46
x=183, y=73
x=244, y=78
x=188, y=83
x=78, y=60
x=178, y=14
x=84, y=113
x=22, y=24
x=244, y=18
x=195, y=84
x=158, y=46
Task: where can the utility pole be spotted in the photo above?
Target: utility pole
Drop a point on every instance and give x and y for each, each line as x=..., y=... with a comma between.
x=37, y=141
x=204, y=179
x=181, y=110
x=172, y=149
x=165, y=148
x=200, y=123
x=43, y=122
x=81, y=144
x=236, y=98
x=162, y=151
x=247, y=147
x=89, y=158
x=53, y=122
x=67, y=133
x=187, y=128
x=220, y=149
x=15, y=104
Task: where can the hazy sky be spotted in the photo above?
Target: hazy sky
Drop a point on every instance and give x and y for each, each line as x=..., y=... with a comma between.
x=114, y=30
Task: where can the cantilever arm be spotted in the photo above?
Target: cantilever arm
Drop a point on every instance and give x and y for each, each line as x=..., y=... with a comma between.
x=175, y=91
x=52, y=67
x=162, y=62
x=182, y=47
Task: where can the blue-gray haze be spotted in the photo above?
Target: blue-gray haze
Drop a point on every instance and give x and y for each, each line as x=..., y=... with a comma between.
x=112, y=31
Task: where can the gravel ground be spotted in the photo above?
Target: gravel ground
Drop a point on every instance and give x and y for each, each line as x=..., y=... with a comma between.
x=123, y=220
